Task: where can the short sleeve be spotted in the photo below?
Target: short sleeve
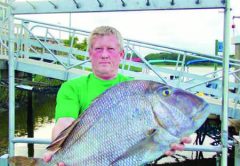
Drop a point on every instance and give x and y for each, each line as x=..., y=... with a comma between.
x=67, y=102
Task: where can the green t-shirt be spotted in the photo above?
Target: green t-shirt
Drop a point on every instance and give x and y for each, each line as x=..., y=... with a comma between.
x=75, y=96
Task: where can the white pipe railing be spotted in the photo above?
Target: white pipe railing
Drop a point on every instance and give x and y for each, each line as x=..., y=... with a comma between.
x=157, y=47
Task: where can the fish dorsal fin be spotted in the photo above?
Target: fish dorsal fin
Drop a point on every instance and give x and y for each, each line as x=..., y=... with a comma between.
x=145, y=143
x=58, y=142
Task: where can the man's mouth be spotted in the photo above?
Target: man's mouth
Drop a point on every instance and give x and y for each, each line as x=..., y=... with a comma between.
x=104, y=63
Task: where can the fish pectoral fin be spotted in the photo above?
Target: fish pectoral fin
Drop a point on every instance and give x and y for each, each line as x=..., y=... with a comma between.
x=24, y=161
x=145, y=143
x=57, y=143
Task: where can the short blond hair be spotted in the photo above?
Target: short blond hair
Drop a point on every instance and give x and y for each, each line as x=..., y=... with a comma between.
x=104, y=31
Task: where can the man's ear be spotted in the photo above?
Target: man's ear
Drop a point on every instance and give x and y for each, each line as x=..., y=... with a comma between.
x=122, y=53
x=90, y=54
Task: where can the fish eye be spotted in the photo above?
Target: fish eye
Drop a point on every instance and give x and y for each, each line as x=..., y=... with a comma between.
x=166, y=92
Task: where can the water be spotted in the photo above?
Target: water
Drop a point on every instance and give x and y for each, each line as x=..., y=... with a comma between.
x=43, y=119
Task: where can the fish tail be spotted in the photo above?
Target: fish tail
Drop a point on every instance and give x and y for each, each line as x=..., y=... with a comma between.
x=25, y=161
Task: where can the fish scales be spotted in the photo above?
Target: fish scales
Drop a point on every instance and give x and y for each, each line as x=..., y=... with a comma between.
x=101, y=131
x=112, y=135
x=107, y=134
x=132, y=123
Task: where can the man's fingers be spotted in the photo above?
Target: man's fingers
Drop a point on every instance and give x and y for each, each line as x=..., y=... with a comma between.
x=169, y=153
x=175, y=147
x=61, y=164
x=47, y=156
x=179, y=146
x=186, y=140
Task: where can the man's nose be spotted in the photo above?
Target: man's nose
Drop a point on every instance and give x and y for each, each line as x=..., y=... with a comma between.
x=105, y=53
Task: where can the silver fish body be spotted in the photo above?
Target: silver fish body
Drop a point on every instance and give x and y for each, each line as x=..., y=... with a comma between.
x=130, y=124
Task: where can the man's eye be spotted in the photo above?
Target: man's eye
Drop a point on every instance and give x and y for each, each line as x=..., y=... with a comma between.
x=98, y=49
x=111, y=48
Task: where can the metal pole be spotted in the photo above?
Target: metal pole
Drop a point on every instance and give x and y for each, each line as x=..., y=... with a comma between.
x=11, y=77
x=216, y=53
x=70, y=24
x=226, y=53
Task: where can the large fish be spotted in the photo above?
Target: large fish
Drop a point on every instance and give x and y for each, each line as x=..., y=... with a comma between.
x=130, y=124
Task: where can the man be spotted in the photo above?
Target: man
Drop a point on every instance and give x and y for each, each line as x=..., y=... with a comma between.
x=105, y=49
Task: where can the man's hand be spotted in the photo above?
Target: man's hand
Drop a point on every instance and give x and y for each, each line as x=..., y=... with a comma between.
x=48, y=156
x=178, y=147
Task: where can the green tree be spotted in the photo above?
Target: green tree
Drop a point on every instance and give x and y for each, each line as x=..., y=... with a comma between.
x=76, y=44
x=168, y=56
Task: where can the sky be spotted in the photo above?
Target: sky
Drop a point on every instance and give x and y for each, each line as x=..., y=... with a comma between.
x=194, y=30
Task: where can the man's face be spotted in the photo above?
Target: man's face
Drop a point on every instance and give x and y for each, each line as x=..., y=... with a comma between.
x=105, y=55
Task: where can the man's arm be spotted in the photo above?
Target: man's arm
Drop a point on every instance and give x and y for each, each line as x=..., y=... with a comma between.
x=60, y=125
